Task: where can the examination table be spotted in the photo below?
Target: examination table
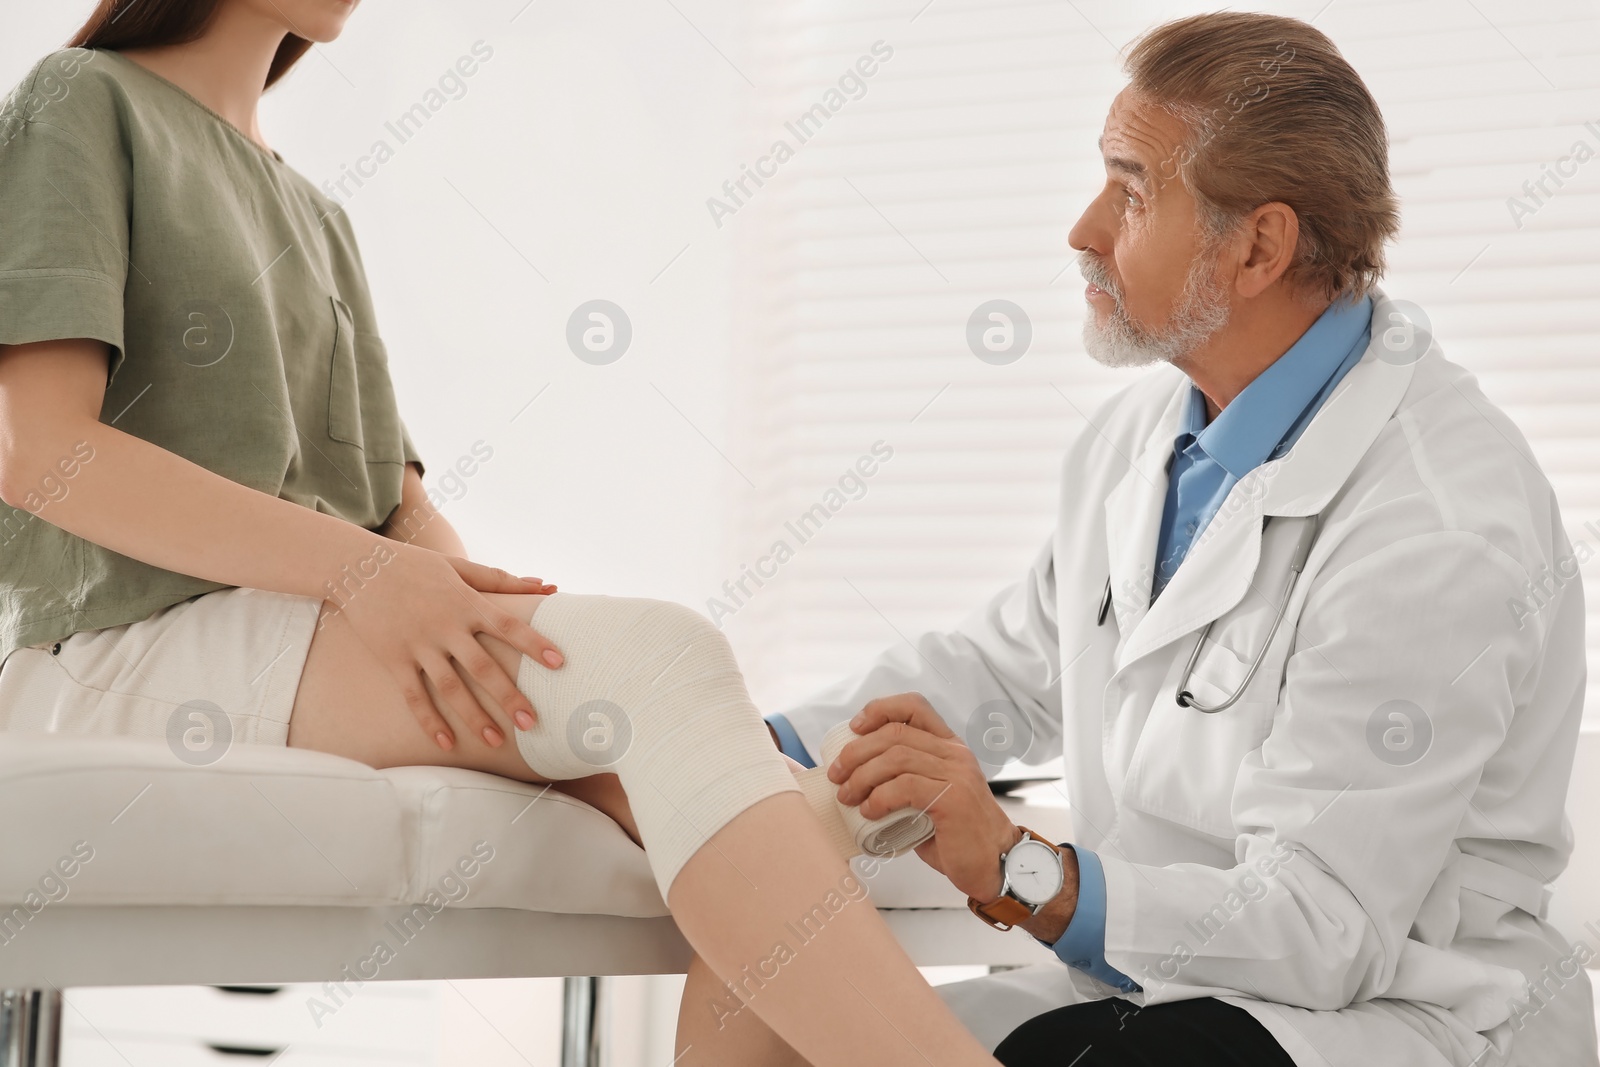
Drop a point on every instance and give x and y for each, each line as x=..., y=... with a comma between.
x=121, y=865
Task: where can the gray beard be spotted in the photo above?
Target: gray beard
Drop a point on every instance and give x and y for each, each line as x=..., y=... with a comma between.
x=1120, y=342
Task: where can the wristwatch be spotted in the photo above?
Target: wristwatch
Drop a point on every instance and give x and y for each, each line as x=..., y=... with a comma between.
x=1032, y=875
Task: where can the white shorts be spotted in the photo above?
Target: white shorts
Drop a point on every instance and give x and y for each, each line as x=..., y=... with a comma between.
x=223, y=667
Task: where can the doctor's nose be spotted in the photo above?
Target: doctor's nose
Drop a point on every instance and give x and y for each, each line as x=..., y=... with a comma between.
x=1091, y=232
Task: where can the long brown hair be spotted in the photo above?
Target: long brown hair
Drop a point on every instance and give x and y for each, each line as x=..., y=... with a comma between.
x=152, y=23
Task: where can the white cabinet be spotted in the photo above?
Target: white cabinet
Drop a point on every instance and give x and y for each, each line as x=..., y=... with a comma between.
x=379, y=1023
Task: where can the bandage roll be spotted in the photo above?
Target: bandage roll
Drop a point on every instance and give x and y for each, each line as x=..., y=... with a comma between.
x=852, y=833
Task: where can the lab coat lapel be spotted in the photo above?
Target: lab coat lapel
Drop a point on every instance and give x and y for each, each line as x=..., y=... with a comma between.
x=1219, y=568
x=1213, y=577
x=1133, y=515
x=1342, y=432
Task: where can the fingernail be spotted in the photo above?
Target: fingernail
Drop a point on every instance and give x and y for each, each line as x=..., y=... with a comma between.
x=444, y=740
x=493, y=736
x=524, y=720
x=858, y=720
x=552, y=657
x=833, y=771
x=535, y=581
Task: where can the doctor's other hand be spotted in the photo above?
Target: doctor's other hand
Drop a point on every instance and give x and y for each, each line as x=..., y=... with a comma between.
x=420, y=616
x=906, y=757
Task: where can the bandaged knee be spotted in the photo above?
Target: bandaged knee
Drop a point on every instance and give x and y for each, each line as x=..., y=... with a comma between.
x=650, y=691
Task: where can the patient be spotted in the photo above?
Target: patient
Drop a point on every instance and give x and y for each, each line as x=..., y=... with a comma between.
x=214, y=509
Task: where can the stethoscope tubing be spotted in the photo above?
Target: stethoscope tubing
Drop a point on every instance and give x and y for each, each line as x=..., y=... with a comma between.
x=1297, y=564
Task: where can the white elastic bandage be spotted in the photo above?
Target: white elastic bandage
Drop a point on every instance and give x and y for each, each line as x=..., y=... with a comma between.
x=852, y=834
x=650, y=691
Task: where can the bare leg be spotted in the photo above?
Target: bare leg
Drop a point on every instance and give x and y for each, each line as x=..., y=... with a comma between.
x=347, y=704
x=766, y=901
x=838, y=988
x=708, y=1037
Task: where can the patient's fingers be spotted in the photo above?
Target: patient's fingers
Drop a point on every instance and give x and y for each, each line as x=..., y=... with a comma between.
x=518, y=634
x=418, y=700
x=487, y=672
x=454, y=694
x=487, y=579
x=510, y=629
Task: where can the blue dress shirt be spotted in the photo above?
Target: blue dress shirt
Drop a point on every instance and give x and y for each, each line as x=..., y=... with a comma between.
x=1083, y=945
x=789, y=740
x=1261, y=423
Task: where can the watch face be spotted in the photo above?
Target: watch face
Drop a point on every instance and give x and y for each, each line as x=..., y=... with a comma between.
x=1033, y=871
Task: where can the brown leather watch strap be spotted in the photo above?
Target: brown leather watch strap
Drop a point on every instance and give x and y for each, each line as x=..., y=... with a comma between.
x=1007, y=912
x=1001, y=914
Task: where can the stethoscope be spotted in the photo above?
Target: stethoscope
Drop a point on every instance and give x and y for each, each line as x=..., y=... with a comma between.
x=1297, y=563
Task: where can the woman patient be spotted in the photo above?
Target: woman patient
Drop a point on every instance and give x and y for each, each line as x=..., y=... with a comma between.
x=211, y=497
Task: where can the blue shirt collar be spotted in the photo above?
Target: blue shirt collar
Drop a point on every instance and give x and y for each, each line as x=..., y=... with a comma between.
x=1275, y=406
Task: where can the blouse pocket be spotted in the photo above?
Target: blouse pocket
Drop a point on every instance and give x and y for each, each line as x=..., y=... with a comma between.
x=361, y=401
x=384, y=441
x=344, y=388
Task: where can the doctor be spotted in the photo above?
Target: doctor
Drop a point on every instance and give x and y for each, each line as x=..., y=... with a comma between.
x=1324, y=839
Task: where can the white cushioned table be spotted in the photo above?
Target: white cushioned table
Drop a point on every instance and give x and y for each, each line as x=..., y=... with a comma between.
x=280, y=865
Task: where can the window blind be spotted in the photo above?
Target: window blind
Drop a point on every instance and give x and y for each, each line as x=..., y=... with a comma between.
x=951, y=176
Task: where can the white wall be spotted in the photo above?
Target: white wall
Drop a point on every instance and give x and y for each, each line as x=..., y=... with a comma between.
x=588, y=142
x=578, y=153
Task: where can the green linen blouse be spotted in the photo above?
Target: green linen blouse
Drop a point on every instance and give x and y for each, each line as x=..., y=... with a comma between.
x=232, y=294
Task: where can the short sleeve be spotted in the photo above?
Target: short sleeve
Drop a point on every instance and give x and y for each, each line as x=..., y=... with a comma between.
x=64, y=210
x=411, y=453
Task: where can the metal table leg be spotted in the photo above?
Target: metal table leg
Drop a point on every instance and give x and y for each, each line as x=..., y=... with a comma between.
x=16, y=1028
x=47, y=1029
x=16, y=1018
x=30, y=1028
x=581, y=1044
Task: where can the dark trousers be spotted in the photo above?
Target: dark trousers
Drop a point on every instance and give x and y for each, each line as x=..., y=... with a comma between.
x=1114, y=1033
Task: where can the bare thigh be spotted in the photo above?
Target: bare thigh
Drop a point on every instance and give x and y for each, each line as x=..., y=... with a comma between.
x=350, y=705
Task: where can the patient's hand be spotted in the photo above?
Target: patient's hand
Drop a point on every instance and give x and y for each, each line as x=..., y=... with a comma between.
x=420, y=617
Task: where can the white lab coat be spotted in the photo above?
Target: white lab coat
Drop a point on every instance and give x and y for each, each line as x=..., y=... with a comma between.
x=1407, y=921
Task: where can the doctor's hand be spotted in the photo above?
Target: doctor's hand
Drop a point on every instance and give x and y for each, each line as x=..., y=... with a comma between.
x=906, y=757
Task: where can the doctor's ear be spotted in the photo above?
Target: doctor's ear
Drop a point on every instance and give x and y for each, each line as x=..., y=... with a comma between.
x=1265, y=242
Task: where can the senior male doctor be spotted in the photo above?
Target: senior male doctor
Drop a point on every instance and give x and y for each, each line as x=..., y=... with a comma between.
x=1320, y=839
